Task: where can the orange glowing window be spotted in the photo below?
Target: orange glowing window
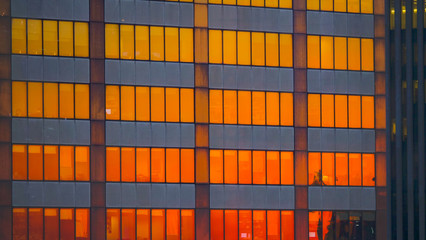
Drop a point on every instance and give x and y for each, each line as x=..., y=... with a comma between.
x=82, y=224
x=35, y=99
x=19, y=155
x=142, y=104
x=354, y=55
x=216, y=105
x=158, y=224
x=339, y=6
x=186, y=45
x=231, y=224
x=367, y=112
x=340, y=44
x=186, y=105
x=66, y=47
x=287, y=225
x=171, y=44
x=367, y=54
x=142, y=42
x=243, y=43
x=368, y=170
x=66, y=100
x=112, y=102
x=272, y=108
x=216, y=166
x=366, y=6
x=34, y=34
x=286, y=109
x=50, y=100
x=215, y=46
x=271, y=49
x=19, y=224
x=157, y=104
x=82, y=101
x=157, y=43
x=229, y=47
x=66, y=216
x=273, y=167
x=328, y=169
x=326, y=5
x=19, y=99
x=172, y=165
x=354, y=111
x=172, y=104
x=51, y=161
x=35, y=162
x=231, y=166
x=341, y=105
x=327, y=48
x=313, y=46
x=113, y=164
x=286, y=50
x=127, y=164
x=315, y=176
x=315, y=225
x=259, y=224
x=273, y=226
x=143, y=224
x=314, y=110
x=355, y=169
x=112, y=36
x=312, y=4
x=113, y=224
x=327, y=224
x=244, y=167
x=66, y=163
x=187, y=165
x=19, y=36
x=51, y=223
x=82, y=163
x=327, y=110
x=258, y=100
x=287, y=168
x=127, y=42
x=157, y=165
x=143, y=164
x=188, y=224
x=50, y=37
x=341, y=169
x=230, y=106
x=127, y=103
x=173, y=224
x=216, y=224
x=35, y=226
x=245, y=224
x=128, y=224
x=353, y=6
x=244, y=107
x=258, y=48
x=259, y=167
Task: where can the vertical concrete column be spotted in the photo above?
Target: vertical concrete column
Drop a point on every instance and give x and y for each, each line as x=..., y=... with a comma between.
x=201, y=84
x=97, y=120
x=5, y=122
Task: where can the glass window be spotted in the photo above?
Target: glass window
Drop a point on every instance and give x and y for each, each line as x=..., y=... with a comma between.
x=327, y=50
x=312, y=4
x=326, y=5
x=258, y=48
x=35, y=226
x=215, y=46
x=113, y=224
x=172, y=165
x=243, y=48
x=82, y=101
x=187, y=165
x=315, y=225
x=366, y=6
x=340, y=53
x=342, y=169
x=127, y=103
x=66, y=100
x=172, y=44
x=19, y=163
x=258, y=102
x=216, y=104
x=271, y=48
x=35, y=162
x=368, y=170
x=273, y=226
x=339, y=6
x=158, y=168
x=287, y=225
x=244, y=107
x=328, y=225
x=19, y=99
x=328, y=169
x=50, y=100
x=355, y=169
x=231, y=224
x=112, y=99
x=354, y=111
x=273, y=167
x=128, y=224
x=186, y=105
x=286, y=109
x=216, y=166
x=142, y=104
x=81, y=39
x=259, y=224
x=230, y=106
x=186, y=45
x=113, y=164
x=367, y=54
x=143, y=164
x=353, y=6
x=82, y=224
x=313, y=46
x=51, y=223
x=287, y=168
x=112, y=36
x=82, y=163
x=127, y=164
x=50, y=37
x=19, y=36
x=367, y=112
x=158, y=224
x=172, y=104
x=272, y=108
x=35, y=99
x=259, y=167
x=314, y=106
x=341, y=111
x=34, y=37
x=315, y=174
x=143, y=219
x=229, y=47
x=286, y=50
x=157, y=104
x=51, y=161
x=244, y=167
x=245, y=224
x=327, y=110
x=354, y=60
x=66, y=163
x=157, y=43
x=66, y=43
x=142, y=42
x=127, y=42
x=173, y=224
x=231, y=166
x=216, y=225
x=67, y=223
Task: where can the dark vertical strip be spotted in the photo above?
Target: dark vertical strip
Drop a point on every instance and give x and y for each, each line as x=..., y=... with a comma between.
x=398, y=122
x=420, y=119
x=410, y=122
x=388, y=122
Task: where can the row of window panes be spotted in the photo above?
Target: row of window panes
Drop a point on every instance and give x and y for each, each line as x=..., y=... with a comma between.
x=340, y=53
x=50, y=37
x=251, y=224
x=251, y=167
x=156, y=224
x=341, y=111
x=250, y=48
x=351, y=6
x=50, y=100
x=171, y=165
x=336, y=225
x=251, y=107
x=331, y=169
x=149, y=43
x=157, y=104
x=51, y=223
x=50, y=163
x=255, y=3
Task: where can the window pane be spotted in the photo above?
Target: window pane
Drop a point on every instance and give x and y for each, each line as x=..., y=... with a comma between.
x=112, y=102
x=273, y=220
x=312, y=4
x=231, y=167
x=216, y=166
x=342, y=169
x=258, y=48
x=287, y=225
x=143, y=219
x=172, y=165
x=230, y=106
x=158, y=224
x=243, y=48
x=286, y=50
x=82, y=163
x=186, y=105
x=354, y=112
x=367, y=112
x=215, y=46
x=82, y=101
x=271, y=48
x=35, y=226
x=273, y=167
x=313, y=52
x=157, y=43
x=259, y=168
x=258, y=108
x=50, y=100
x=51, y=163
x=127, y=42
x=66, y=100
x=34, y=37
x=315, y=226
x=186, y=45
x=67, y=223
x=339, y=6
x=244, y=167
x=35, y=101
x=366, y=6
x=340, y=53
x=142, y=42
x=327, y=108
x=143, y=164
x=341, y=111
x=35, y=162
x=315, y=176
x=19, y=156
x=50, y=37
x=142, y=104
x=128, y=224
x=113, y=164
x=353, y=52
x=244, y=107
x=157, y=104
x=82, y=224
x=216, y=105
x=272, y=108
x=328, y=225
x=285, y=3
x=327, y=50
x=113, y=224
x=287, y=168
x=187, y=165
x=368, y=170
x=128, y=103
x=172, y=104
x=216, y=225
x=157, y=165
x=286, y=109
x=314, y=106
x=367, y=52
x=326, y=5
x=51, y=223
x=81, y=38
x=172, y=44
x=353, y=6
x=245, y=224
x=355, y=169
x=231, y=225
x=66, y=44
x=259, y=224
x=19, y=99
x=229, y=47
x=19, y=36
x=328, y=169
x=127, y=164
x=66, y=163
x=111, y=41
x=173, y=224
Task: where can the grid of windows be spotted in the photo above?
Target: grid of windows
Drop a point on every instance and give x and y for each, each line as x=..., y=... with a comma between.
x=341, y=169
x=171, y=165
x=340, y=111
x=153, y=43
x=351, y=6
x=51, y=223
x=50, y=162
x=251, y=167
x=50, y=100
x=157, y=104
x=251, y=107
x=50, y=37
x=250, y=48
x=255, y=3
x=156, y=224
x=340, y=53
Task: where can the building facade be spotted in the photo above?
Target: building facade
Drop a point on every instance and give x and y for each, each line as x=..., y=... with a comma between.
x=197, y=119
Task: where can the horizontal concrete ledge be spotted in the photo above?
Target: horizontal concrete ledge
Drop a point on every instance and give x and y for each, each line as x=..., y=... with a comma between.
x=50, y=194
x=51, y=9
x=150, y=195
x=342, y=198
